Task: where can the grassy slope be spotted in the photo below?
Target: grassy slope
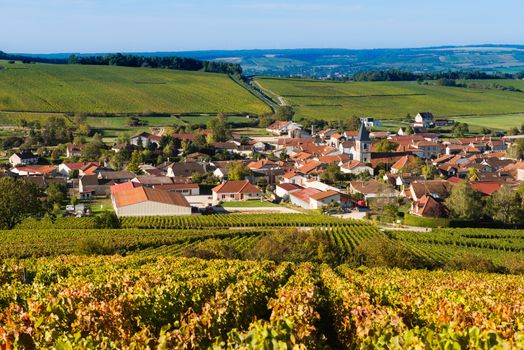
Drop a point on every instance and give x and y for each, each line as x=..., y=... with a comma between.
x=331, y=100
x=99, y=89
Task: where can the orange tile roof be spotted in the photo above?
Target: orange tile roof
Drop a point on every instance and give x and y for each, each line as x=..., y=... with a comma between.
x=323, y=195
x=142, y=194
x=305, y=194
x=238, y=186
x=41, y=169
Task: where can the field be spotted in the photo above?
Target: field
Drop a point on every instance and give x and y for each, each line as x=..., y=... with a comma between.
x=495, y=122
x=136, y=302
x=389, y=100
x=67, y=285
x=107, y=89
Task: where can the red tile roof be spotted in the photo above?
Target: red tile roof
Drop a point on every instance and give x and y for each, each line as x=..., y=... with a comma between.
x=142, y=194
x=323, y=195
x=240, y=186
x=305, y=194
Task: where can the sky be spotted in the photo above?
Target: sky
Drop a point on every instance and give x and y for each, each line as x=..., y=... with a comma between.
x=90, y=26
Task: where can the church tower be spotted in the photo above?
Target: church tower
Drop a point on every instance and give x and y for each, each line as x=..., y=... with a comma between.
x=363, y=145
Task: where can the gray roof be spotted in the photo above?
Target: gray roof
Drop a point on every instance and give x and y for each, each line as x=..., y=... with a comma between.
x=363, y=134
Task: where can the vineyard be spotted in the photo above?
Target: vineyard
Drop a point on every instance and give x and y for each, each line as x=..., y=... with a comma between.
x=196, y=222
x=164, y=302
x=158, y=236
x=109, y=89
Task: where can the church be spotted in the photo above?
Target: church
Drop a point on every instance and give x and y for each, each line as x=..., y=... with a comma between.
x=361, y=151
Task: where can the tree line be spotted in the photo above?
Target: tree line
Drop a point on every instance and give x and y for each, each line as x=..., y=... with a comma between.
x=399, y=75
x=169, y=62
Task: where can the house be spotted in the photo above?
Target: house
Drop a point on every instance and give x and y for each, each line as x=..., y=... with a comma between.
x=116, y=176
x=356, y=167
x=427, y=149
x=424, y=120
x=282, y=127
x=438, y=189
x=370, y=122
x=404, y=164
x=144, y=139
x=91, y=185
x=66, y=169
x=188, y=189
x=239, y=190
x=142, y=201
x=293, y=177
x=285, y=189
x=150, y=181
x=428, y=207
x=74, y=150
x=301, y=198
x=31, y=170
x=371, y=189
x=184, y=169
x=23, y=158
x=318, y=200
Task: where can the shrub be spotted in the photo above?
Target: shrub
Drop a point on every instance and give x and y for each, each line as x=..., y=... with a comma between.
x=388, y=253
x=212, y=249
x=107, y=220
x=295, y=246
x=513, y=264
x=471, y=262
x=94, y=247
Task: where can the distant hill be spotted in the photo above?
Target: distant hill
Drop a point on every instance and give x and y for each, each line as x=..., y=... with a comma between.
x=333, y=62
x=100, y=89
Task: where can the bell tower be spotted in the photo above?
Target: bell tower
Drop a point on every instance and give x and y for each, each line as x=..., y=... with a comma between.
x=363, y=145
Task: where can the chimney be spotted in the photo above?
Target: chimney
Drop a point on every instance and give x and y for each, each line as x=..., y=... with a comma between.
x=312, y=130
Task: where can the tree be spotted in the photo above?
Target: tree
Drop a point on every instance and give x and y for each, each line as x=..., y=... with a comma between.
x=238, y=171
x=331, y=174
x=107, y=220
x=504, y=206
x=285, y=113
x=464, y=203
x=409, y=130
x=55, y=193
x=134, y=164
x=18, y=200
x=386, y=145
x=485, y=131
x=516, y=150
x=460, y=129
x=219, y=127
x=429, y=171
x=283, y=156
x=352, y=123
x=513, y=131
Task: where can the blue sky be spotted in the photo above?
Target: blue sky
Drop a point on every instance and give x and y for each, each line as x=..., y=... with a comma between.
x=43, y=26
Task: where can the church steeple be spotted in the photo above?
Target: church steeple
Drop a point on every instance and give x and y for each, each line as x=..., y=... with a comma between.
x=363, y=134
x=363, y=145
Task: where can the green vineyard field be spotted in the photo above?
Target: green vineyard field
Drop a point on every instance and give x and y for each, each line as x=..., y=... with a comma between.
x=164, y=302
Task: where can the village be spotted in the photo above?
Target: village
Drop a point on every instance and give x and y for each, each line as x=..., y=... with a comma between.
x=354, y=173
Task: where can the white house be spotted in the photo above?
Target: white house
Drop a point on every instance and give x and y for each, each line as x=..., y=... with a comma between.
x=23, y=158
x=285, y=189
x=318, y=200
x=142, y=201
x=144, y=139
x=355, y=167
x=424, y=120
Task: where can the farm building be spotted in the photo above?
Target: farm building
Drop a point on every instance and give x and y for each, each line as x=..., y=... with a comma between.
x=318, y=200
x=142, y=201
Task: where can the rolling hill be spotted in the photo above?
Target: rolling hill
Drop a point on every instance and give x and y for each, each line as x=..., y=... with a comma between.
x=110, y=89
x=331, y=62
x=390, y=100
